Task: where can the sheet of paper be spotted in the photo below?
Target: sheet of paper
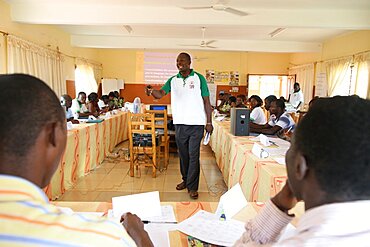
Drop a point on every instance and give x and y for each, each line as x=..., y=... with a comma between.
x=168, y=215
x=231, y=202
x=220, y=118
x=259, y=151
x=264, y=140
x=159, y=237
x=280, y=160
x=276, y=151
x=207, y=227
x=143, y=205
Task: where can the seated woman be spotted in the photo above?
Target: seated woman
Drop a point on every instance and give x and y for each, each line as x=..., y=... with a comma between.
x=93, y=106
x=279, y=120
x=257, y=115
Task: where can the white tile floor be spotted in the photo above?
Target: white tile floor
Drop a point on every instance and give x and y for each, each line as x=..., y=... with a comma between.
x=112, y=179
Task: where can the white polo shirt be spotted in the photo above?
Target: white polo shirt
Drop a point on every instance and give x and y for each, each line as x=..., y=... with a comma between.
x=187, y=98
x=258, y=116
x=295, y=98
x=78, y=107
x=285, y=121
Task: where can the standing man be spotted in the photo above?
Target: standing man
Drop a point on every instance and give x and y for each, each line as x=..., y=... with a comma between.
x=296, y=98
x=191, y=111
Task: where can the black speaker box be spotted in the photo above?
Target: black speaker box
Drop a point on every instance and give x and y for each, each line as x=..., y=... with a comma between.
x=239, y=121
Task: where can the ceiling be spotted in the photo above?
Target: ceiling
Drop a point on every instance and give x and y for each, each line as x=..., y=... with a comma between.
x=164, y=24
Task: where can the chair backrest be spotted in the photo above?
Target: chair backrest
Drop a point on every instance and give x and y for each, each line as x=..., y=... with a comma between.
x=160, y=121
x=141, y=124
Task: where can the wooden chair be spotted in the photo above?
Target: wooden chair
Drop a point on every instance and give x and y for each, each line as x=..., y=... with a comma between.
x=142, y=125
x=161, y=120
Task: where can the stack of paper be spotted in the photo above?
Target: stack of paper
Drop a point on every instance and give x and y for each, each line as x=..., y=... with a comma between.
x=208, y=228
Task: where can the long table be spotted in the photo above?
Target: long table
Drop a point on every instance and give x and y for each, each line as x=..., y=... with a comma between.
x=260, y=179
x=183, y=210
x=87, y=146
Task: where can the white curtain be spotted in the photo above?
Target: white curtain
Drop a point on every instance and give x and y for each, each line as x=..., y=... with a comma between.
x=338, y=76
x=84, y=77
x=305, y=78
x=29, y=58
x=362, y=79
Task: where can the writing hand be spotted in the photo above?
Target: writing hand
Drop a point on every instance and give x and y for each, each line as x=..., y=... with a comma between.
x=135, y=228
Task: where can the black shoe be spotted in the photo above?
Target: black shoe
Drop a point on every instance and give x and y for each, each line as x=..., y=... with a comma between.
x=193, y=194
x=181, y=186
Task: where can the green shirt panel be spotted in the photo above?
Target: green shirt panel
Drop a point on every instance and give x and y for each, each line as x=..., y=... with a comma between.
x=203, y=85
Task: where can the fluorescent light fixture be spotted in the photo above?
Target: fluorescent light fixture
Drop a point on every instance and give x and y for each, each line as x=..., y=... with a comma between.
x=128, y=28
x=276, y=32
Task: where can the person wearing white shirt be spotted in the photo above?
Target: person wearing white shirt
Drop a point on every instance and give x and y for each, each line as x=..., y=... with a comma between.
x=66, y=102
x=279, y=120
x=191, y=113
x=296, y=97
x=79, y=108
x=104, y=103
x=257, y=115
x=328, y=168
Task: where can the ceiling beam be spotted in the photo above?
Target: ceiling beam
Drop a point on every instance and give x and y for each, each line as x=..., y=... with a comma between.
x=172, y=43
x=106, y=14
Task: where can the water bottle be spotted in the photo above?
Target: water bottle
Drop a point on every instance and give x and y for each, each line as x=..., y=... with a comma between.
x=137, y=105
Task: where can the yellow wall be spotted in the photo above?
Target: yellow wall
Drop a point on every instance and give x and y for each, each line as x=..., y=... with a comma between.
x=343, y=45
x=45, y=35
x=126, y=64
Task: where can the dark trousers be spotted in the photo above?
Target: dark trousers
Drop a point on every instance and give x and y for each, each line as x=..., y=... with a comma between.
x=188, y=138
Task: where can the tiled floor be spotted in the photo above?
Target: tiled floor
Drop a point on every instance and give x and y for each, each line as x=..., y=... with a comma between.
x=112, y=179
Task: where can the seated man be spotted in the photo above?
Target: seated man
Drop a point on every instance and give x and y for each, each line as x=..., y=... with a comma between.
x=66, y=101
x=279, y=120
x=31, y=146
x=240, y=99
x=268, y=101
x=79, y=108
x=328, y=168
x=104, y=103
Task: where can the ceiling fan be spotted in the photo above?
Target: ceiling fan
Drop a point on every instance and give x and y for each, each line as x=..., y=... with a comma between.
x=203, y=43
x=220, y=7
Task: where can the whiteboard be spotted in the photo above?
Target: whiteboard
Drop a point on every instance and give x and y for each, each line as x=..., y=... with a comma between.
x=109, y=85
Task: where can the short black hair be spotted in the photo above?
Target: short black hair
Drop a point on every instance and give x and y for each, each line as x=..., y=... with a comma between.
x=93, y=97
x=232, y=99
x=257, y=98
x=111, y=94
x=296, y=84
x=80, y=93
x=270, y=98
x=186, y=55
x=104, y=97
x=334, y=138
x=280, y=103
x=26, y=104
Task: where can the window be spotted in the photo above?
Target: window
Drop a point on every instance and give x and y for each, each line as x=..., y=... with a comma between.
x=265, y=85
x=85, y=80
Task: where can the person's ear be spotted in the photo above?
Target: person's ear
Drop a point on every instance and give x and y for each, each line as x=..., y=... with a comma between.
x=301, y=168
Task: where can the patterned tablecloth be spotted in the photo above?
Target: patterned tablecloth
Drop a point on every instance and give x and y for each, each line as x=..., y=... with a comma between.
x=260, y=179
x=183, y=210
x=87, y=146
